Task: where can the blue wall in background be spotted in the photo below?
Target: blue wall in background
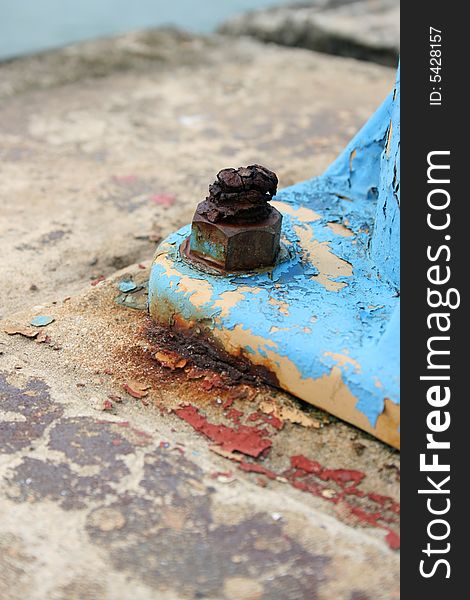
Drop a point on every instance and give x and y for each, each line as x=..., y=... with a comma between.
x=31, y=25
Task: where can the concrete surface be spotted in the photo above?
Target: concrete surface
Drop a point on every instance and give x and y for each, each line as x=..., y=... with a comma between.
x=105, y=144
x=108, y=490
x=364, y=29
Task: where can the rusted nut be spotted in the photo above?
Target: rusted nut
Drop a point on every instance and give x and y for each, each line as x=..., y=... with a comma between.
x=234, y=228
x=235, y=247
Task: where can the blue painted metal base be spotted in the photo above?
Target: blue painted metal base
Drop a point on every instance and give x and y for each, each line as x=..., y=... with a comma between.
x=325, y=318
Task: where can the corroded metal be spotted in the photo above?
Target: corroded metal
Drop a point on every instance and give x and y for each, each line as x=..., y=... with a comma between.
x=324, y=319
x=235, y=228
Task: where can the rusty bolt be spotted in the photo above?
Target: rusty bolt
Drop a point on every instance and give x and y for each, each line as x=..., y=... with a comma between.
x=235, y=228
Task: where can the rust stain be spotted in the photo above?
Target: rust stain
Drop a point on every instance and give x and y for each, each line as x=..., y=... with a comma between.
x=205, y=352
x=328, y=392
x=221, y=352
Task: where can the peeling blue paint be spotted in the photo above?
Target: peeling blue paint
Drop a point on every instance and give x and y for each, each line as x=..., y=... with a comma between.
x=291, y=308
x=126, y=285
x=385, y=244
x=41, y=321
x=200, y=245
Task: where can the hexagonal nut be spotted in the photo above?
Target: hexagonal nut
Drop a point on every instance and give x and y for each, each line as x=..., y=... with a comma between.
x=237, y=247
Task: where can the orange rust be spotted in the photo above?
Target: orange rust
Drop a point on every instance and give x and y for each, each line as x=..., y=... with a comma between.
x=205, y=376
x=198, y=348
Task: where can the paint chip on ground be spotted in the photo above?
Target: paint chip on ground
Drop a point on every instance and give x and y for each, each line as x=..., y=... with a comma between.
x=41, y=321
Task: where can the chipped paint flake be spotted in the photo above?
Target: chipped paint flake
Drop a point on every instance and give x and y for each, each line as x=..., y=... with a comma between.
x=342, y=360
x=301, y=213
x=282, y=306
x=126, y=285
x=42, y=320
x=230, y=299
x=329, y=265
x=245, y=439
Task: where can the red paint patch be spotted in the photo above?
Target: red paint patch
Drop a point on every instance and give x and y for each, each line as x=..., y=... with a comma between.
x=163, y=199
x=339, y=476
x=312, y=488
x=255, y=468
x=266, y=418
x=228, y=403
x=234, y=415
x=212, y=381
x=386, y=502
x=125, y=179
x=342, y=476
x=393, y=540
x=107, y=405
x=347, y=480
x=97, y=280
x=305, y=464
x=245, y=439
x=364, y=516
x=141, y=433
x=216, y=474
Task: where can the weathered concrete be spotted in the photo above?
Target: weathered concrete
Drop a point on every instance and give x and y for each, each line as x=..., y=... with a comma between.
x=365, y=29
x=110, y=495
x=89, y=170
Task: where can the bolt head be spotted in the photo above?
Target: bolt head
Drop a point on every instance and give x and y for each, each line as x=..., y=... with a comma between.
x=236, y=247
